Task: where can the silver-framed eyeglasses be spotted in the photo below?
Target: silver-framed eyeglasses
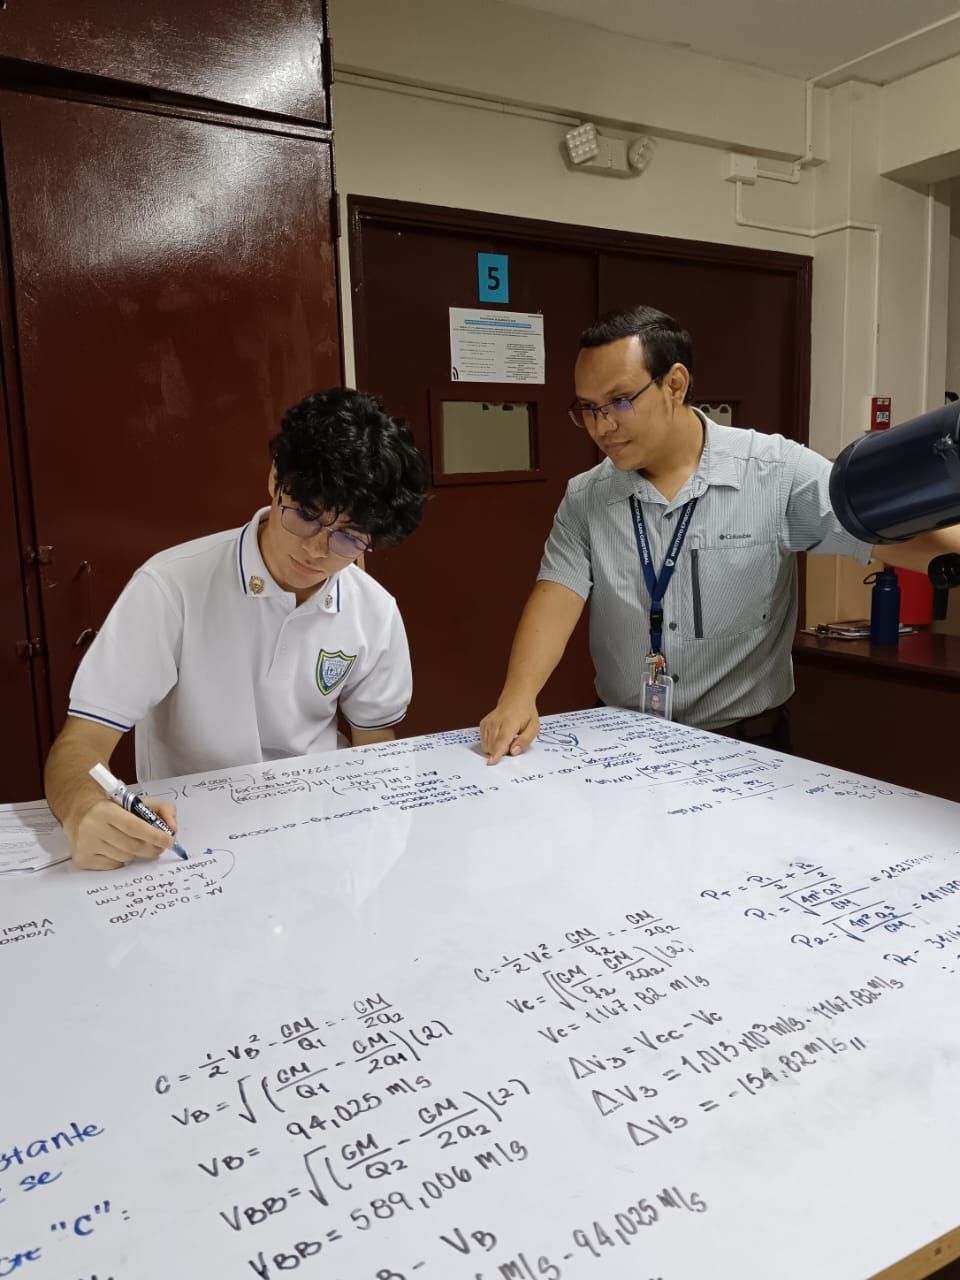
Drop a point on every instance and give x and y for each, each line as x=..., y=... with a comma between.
x=585, y=415
x=342, y=542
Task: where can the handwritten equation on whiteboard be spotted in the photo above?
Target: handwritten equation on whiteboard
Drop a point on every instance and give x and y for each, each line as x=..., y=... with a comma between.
x=402, y=1015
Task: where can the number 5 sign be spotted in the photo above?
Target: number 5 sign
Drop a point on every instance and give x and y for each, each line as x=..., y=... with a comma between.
x=493, y=273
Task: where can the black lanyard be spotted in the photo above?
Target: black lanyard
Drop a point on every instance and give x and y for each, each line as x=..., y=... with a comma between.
x=657, y=586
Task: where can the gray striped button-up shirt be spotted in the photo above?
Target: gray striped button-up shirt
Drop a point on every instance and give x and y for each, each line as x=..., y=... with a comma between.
x=730, y=611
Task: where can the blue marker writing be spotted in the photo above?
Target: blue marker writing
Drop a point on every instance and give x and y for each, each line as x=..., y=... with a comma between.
x=129, y=799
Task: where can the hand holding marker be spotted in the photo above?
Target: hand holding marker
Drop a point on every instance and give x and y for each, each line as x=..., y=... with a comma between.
x=130, y=799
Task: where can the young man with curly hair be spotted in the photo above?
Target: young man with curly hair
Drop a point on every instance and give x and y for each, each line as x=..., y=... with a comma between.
x=241, y=647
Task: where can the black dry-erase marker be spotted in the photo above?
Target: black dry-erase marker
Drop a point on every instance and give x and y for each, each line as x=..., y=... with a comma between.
x=129, y=798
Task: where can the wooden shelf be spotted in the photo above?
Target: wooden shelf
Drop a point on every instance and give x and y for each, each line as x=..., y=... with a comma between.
x=923, y=652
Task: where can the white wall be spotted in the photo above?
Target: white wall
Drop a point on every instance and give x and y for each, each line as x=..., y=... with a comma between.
x=873, y=334
x=436, y=152
x=511, y=54
x=879, y=325
x=921, y=124
x=953, y=313
x=405, y=148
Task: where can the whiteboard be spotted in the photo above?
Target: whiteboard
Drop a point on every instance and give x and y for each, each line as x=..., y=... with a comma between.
x=644, y=1002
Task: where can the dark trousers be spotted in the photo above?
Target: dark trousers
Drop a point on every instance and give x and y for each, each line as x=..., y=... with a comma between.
x=769, y=729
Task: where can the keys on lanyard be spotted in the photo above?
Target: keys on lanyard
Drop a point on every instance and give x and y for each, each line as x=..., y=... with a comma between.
x=657, y=697
x=656, y=667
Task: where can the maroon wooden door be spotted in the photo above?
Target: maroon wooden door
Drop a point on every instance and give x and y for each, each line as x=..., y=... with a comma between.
x=268, y=57
x=749, y=315
x=174, y=286
x=20, y=760
x=461, y=580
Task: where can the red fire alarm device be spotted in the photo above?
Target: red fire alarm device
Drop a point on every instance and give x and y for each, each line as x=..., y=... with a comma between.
x=880, y=413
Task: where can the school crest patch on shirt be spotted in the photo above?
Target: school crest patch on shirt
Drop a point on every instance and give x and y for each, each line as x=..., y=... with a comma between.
x=332, y=669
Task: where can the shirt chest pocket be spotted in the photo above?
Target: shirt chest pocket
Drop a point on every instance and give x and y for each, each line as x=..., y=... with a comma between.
x=731, y=589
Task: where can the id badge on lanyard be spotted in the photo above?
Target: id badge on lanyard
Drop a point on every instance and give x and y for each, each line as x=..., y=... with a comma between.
x=657, y=690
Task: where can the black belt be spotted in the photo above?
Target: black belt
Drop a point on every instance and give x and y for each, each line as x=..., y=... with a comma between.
x=758, y=726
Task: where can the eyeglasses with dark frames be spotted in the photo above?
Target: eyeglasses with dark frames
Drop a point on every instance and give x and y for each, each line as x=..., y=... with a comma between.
x=343, y=543
x=585, y=415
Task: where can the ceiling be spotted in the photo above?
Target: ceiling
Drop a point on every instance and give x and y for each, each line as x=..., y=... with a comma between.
x=803, y=38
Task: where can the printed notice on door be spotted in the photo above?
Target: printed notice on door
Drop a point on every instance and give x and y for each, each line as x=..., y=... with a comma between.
x=495, y=346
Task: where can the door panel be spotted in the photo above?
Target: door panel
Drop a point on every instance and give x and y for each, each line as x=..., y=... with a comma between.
x=750, y=323
x=269, y=57
x=175, y=287
x=750, y=328
x=462, y=579
x=20, y=777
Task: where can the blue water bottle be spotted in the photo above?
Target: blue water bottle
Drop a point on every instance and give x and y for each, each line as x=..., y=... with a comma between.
x=884, y=607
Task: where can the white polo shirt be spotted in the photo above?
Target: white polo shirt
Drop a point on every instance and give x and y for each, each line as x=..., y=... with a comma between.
x=216, y=665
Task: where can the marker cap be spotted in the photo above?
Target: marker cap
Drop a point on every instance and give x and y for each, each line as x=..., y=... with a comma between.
x=102, y=775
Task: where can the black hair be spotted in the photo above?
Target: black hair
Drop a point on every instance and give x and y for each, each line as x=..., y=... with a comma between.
x=950, y=397
x=665, y=341
x=340, y=453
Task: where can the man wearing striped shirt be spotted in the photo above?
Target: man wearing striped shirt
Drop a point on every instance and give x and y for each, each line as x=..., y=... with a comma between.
x=715, y=513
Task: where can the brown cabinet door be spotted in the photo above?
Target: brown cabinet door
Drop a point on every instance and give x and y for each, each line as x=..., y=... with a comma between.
x=19, y=747
x=462, y=579
x=175, y=290
x=268, y=57
x=750, y=322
